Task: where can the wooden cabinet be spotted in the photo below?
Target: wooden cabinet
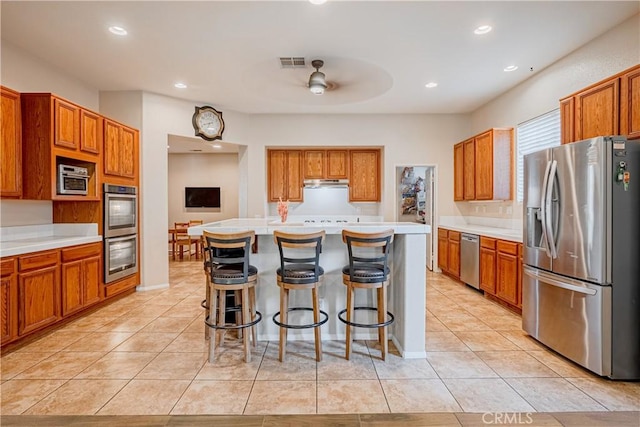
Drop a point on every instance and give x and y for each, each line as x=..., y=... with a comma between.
x=81, y=273
x=483, y=166
x=364, y=180
x=120, y=153
x=458, y=172
x=38, y=291
x=507, y=269
x=469, y=170
x=314, y=164
x=10, y=144
x=520, y=273
x=56, y=131
x=630, y=103
x=8, y=300
x=488, y=264
x=454, y=254
x=284, y=175
x=443, y=250
x=608, y=107
x=337, y=164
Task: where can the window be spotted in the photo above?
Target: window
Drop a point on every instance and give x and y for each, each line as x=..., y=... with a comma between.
x=535, y=135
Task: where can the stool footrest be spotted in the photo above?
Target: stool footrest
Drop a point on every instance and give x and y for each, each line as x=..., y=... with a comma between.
x=366, y=325
x=305, y=326
x=241, y=326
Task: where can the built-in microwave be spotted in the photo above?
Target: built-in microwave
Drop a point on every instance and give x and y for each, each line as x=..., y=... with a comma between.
x=73, y=180
x=120, y=257
x=120, y=210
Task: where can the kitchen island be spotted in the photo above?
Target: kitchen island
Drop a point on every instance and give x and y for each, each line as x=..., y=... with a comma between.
x=407, y=288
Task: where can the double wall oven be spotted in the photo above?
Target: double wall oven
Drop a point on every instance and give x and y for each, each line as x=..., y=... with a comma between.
x=120, y=231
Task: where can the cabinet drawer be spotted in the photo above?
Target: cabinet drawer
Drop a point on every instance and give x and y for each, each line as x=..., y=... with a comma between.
x=442, y=233
x=81, y=252
x=507, y=247
x=38, y=260
x=7, y=267
x=454, y=235
x=487, y=242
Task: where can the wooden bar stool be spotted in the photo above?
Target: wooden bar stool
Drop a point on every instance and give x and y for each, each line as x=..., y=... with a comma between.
x=367, y=269
x=301, y=272
x=228, y=268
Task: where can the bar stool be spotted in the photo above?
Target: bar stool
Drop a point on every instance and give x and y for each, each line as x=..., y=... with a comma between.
x=228, y=269
x=367, y=269
x=301, y=272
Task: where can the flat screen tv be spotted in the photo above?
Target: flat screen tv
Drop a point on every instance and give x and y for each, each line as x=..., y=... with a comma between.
x=202, y=197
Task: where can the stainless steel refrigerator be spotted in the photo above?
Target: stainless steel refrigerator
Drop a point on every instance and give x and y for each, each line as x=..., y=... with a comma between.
x=581, y=281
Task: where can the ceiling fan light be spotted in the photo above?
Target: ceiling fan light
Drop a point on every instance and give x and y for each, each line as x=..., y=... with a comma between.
x=317, y=83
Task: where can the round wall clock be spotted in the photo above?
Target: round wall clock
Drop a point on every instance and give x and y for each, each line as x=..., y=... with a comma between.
x=208, y=123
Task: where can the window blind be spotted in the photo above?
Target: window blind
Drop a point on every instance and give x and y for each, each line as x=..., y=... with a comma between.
x=535, y=135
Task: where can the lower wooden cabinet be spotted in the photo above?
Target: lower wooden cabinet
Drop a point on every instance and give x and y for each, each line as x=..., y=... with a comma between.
x=443, y=250
x=507, y=268
x=488, y=264
x=454, y=254
x=81, y=285
x=38, y=291
x=8, y=300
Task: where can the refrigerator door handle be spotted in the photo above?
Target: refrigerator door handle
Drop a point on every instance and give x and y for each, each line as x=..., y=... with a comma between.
x=564, y=285
x=548, y=212
x=543, y=215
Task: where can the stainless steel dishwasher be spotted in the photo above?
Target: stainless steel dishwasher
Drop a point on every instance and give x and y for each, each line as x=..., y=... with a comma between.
x=470, y=259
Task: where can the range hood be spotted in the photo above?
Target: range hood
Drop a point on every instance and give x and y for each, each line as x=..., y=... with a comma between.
x=326, y=183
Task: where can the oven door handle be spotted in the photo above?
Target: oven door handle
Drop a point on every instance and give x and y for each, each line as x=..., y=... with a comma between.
x=120, y=239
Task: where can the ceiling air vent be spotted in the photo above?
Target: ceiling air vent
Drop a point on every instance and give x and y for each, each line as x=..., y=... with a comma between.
x=292, y=62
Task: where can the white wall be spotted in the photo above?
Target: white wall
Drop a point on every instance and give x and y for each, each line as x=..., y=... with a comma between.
x=203, y=170
x=608, y=54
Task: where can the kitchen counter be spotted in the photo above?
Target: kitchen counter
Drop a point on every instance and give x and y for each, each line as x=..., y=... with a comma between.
x=406, y=292
x=34, y=238
x=457, y=224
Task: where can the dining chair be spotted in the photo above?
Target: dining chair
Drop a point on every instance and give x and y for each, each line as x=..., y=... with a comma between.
x=183, y=239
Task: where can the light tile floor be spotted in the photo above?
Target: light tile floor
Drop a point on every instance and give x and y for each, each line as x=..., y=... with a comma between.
x=146, y=355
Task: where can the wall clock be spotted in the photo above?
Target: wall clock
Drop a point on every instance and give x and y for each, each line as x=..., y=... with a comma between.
x=208, y=123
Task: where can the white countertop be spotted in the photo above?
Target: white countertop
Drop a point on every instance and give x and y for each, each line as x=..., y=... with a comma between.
x=264, y=226
x=34, y=238
x=456, y=224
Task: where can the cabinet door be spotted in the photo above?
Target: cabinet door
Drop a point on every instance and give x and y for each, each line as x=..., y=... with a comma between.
x=314, y=165
x=66, y=124
x=596, y=110
x=484, y=166
x=276, y=174
x=469, y=170
x=8, y=301
x=364, y=184
x=454, y=258
x=488, y=270
x=567, y=120
x=38, y=299
x=72, y=287
x=507, y=283
x=337, y=164
x=91, y=278
x=630, y=104
x=112, y=148
x=294, y=175
x=443, y=250
x=520, y=272
x=10, y=145
x=458, y=172
x=90, y=132
x=128, y=153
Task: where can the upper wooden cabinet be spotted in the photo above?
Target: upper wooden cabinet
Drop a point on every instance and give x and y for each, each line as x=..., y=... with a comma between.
x=326, y=164
x=609, y=107
x=284, y=175
x=120, y=153
x=337, y=164
x=458, y=172
x=11, y=144
x=314, y=164
x=364, y=180
x=483, y=166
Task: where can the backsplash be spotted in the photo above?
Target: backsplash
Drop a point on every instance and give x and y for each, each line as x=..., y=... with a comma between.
x=327, y=201
x=25, y=212
x=507, y=209
x=512, y=224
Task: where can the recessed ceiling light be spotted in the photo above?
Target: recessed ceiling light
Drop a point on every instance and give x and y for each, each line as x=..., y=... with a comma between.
x=180, y=85
x=431, y=85
x=510, y=68
x=483, y=29
x=118, y=31
x=317, y=1
x=216, y=145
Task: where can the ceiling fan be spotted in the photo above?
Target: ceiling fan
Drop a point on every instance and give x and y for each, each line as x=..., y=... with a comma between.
x=317, y=79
